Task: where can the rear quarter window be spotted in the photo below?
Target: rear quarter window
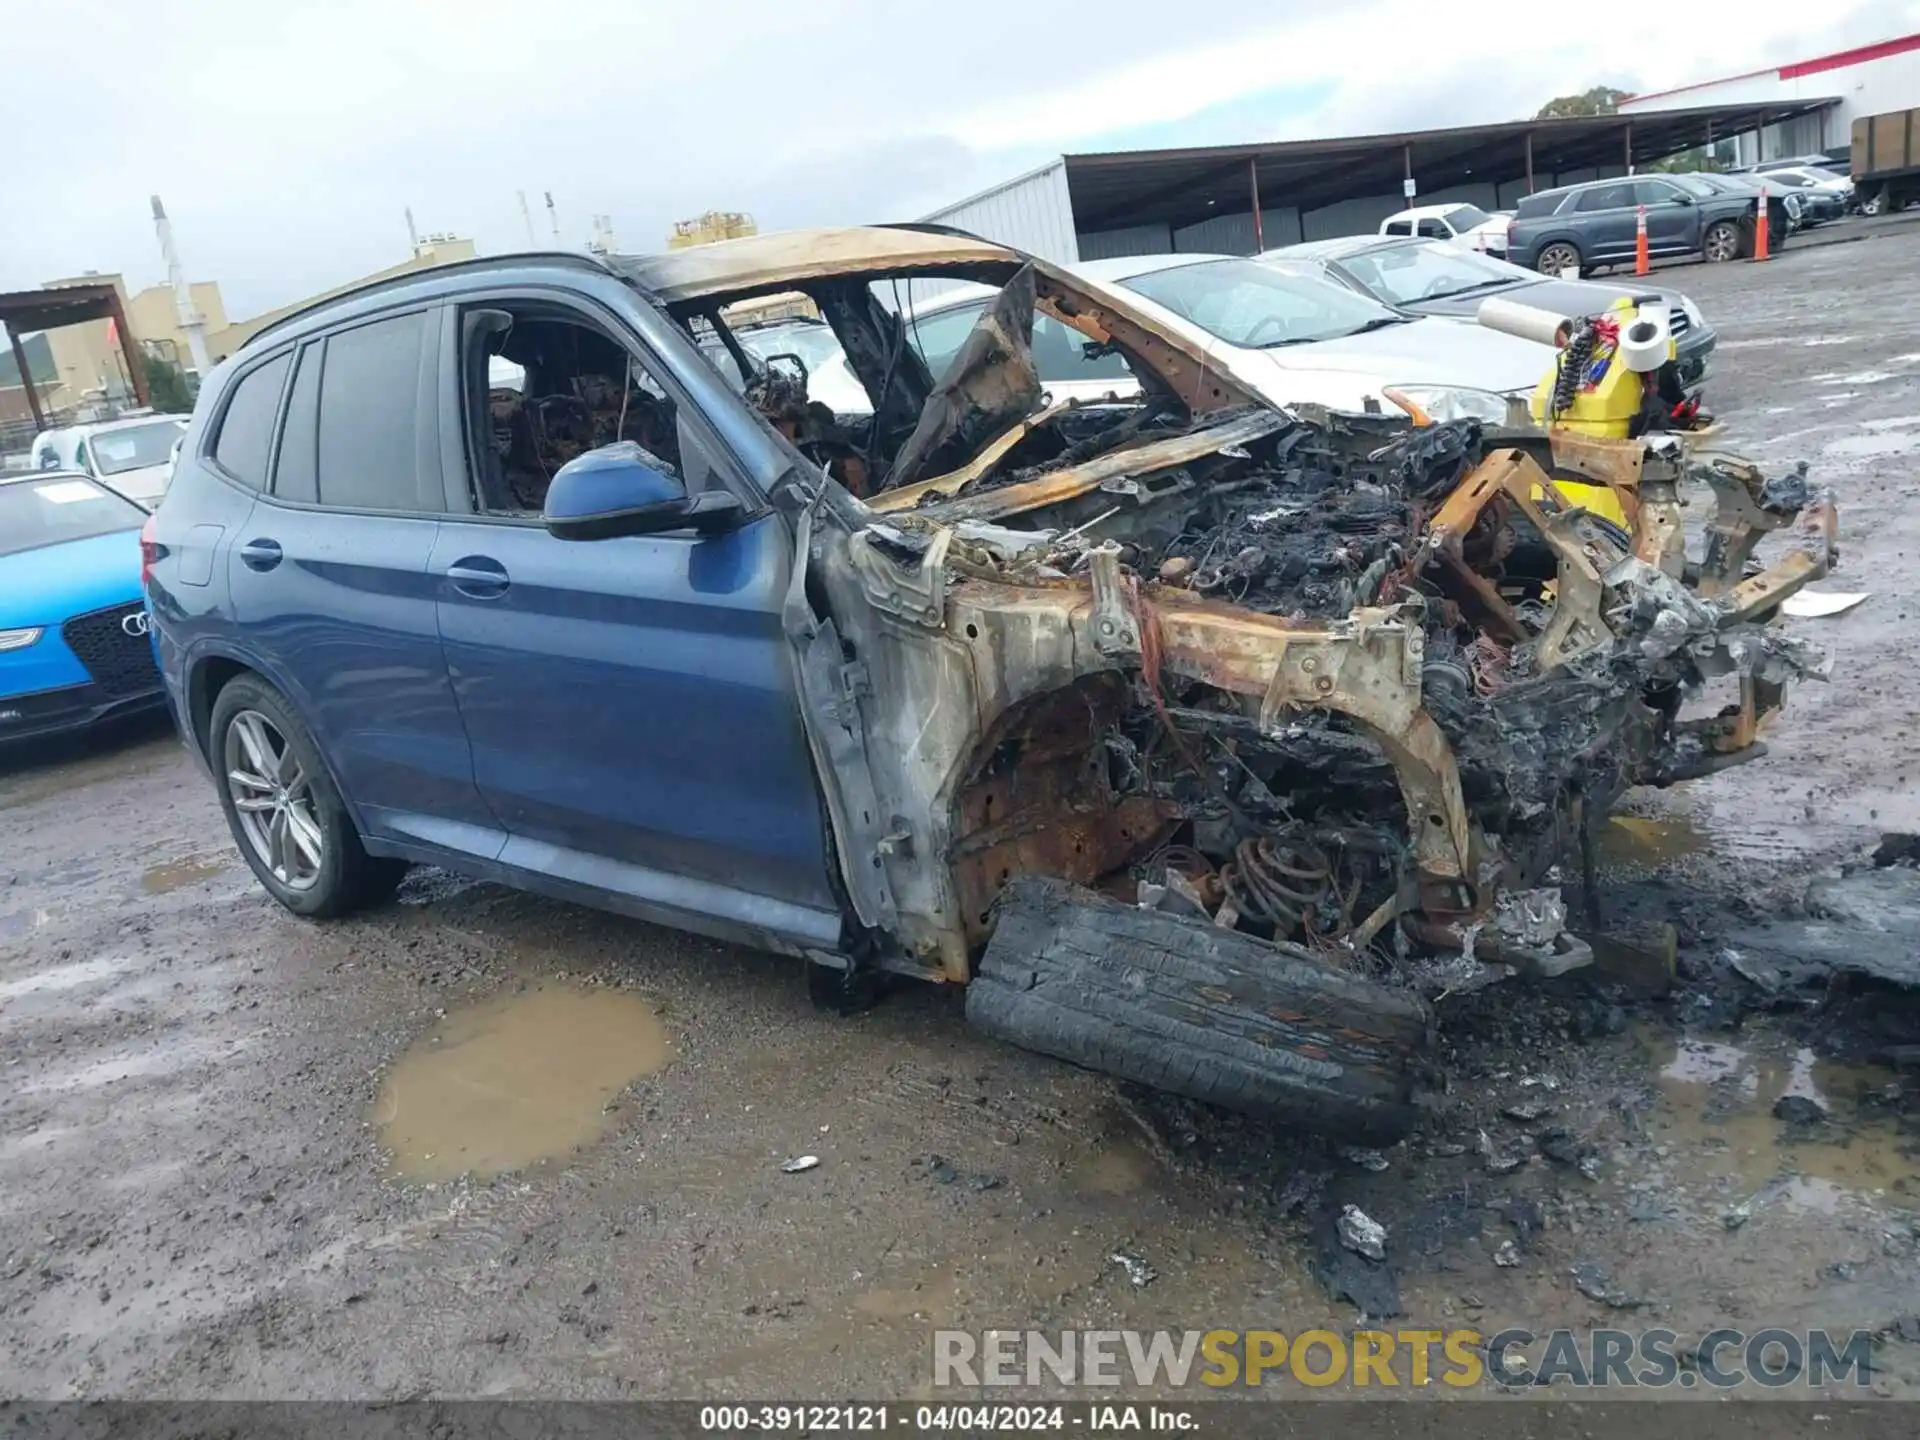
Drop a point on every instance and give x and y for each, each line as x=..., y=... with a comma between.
x=246, y=429
x=1532, y=207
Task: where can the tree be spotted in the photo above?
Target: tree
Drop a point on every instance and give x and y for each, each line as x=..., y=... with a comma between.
x=1600, y=100
x=168, y=386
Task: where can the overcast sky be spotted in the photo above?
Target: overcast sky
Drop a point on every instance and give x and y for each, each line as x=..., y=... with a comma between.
x=287, y=139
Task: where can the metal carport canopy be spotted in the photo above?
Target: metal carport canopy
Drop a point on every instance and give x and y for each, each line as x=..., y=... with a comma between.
x=22, y=311
x=1181, y=187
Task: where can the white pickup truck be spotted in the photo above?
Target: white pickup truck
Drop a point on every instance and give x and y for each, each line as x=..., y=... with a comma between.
x=1467, y=226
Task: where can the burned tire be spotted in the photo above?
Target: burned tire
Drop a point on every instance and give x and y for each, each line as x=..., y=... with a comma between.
x=1202, y=1012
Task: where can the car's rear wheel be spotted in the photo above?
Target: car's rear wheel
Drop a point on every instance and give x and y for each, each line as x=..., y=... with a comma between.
x=1721, y=243
x=287, y=818
x=1558, y=256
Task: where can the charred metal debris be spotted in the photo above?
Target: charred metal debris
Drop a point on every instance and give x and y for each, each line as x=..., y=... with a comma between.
x=1325, y=680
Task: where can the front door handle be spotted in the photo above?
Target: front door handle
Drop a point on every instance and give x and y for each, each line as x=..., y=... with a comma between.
x=260, y=554
x=478, y=577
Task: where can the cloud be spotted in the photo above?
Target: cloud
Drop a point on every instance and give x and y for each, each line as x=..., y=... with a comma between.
x=288, y=140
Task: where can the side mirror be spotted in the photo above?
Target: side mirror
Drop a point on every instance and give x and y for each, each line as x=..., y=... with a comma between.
x=621, y=489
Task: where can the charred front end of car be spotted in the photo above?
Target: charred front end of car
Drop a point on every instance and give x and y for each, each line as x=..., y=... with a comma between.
x=1210, y=743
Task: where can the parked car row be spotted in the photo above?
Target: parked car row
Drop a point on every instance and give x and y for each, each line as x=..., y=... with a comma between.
x=1594, y=225
x=1362, y=323
x=1824, y=196
x=1423, y=278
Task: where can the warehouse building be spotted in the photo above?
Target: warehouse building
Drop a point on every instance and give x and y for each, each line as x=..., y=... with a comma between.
x=1237, y=199
x=1867, y=80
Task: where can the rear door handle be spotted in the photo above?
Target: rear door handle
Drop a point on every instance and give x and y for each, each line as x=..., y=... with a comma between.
x=478, y=577
x=260, y=554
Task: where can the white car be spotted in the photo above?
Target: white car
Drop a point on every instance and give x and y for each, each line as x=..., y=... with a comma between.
x=830, y=379
x=1299, y=339
x=1467, y=226
x=1825, y=183
x=938, y=327
x=132, y=457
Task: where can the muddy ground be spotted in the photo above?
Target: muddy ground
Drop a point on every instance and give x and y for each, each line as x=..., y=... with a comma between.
x=485, y=1144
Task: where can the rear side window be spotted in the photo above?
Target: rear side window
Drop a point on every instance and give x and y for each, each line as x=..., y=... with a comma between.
x=1059, y=351
x=246, y=431
x=941, y=335
x=1606, y=197
x=296, y=474
x=1398, y=227
x=1060, y=354
x=1532, y=207
x=370, y=417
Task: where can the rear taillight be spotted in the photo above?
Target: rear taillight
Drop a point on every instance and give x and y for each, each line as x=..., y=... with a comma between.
x=149, y=550
x=1512, y=225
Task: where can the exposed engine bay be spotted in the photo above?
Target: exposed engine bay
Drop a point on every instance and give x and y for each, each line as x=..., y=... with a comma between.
x=1332, y=682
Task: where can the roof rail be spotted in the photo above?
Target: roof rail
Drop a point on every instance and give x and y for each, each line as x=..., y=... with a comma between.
x=935, y=227
x=478, y=262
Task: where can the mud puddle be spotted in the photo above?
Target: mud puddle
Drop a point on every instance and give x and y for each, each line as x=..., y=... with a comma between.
x=1766, y=1113
x=1647, y=842
x=514, y=1081
x=164, y=879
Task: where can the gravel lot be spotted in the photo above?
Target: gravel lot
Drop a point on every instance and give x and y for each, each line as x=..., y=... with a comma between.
x=484, y=1144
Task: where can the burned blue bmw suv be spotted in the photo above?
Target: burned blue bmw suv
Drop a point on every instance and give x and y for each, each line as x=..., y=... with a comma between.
x=1172, y=724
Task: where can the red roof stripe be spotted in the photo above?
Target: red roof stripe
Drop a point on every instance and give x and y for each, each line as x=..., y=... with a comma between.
x=1840, y=59
x=1858, y=56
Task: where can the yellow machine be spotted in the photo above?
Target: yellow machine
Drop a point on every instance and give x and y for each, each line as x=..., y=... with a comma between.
x=1607, y=396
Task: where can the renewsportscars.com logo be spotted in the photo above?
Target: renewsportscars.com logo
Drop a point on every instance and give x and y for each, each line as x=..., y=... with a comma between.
x=1461, y=1359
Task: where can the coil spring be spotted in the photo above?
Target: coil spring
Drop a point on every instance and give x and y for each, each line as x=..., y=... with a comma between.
x=1281, y=882
x=1571, y=368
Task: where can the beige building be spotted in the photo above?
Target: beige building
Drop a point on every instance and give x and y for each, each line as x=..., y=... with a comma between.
x=89, y=367
x=438, y=250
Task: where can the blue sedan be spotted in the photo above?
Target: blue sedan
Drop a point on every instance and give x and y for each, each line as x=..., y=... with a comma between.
x=73, y=625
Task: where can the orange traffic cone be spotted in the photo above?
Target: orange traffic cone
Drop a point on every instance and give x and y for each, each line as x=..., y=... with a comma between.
x=1760, y=228
x=1640, y=262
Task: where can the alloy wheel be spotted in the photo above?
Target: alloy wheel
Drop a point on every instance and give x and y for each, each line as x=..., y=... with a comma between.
x=1722, y=243
x=1556, y=258
x=273, y=797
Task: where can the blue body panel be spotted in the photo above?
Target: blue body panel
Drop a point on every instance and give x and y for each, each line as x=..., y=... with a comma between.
x=347, y=610
x=613, y=721
x=632, y=699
